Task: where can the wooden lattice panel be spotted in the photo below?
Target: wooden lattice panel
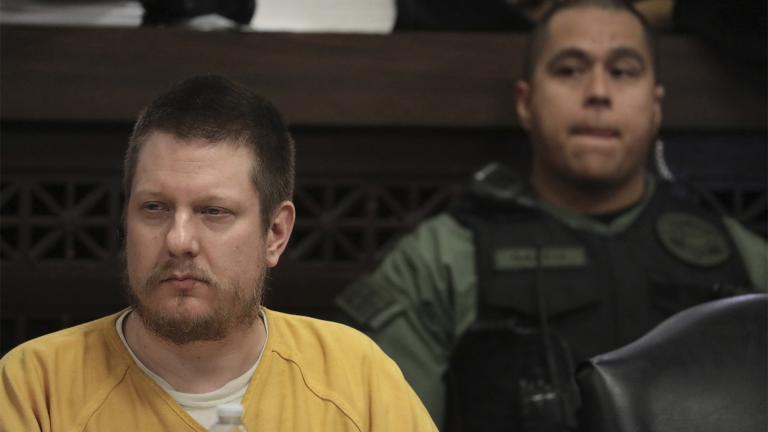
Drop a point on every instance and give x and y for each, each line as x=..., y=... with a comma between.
x=50, y=219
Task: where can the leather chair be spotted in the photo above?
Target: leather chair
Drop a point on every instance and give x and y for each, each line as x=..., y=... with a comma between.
x=702, y=370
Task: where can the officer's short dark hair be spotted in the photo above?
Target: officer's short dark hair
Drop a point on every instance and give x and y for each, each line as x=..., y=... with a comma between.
x=217, y=109
x=540, y=32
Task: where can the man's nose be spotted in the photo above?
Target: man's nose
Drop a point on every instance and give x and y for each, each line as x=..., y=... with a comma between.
x=598, y=91
x=182, y=238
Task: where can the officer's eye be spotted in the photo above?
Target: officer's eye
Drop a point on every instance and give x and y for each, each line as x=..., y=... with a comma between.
x=567, y=69
x=620, y=73
x=626, y=69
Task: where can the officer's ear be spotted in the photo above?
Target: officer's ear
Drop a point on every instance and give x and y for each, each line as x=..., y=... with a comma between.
x=658, y=95
x=523, y=103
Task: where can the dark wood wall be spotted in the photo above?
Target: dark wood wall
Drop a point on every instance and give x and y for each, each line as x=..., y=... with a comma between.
x=387, y=129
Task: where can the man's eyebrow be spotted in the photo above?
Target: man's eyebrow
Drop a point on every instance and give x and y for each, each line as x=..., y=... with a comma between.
x=148, y=193
x=215, y=197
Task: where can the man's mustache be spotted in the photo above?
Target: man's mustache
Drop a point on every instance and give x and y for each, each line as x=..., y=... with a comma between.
x=173, y=269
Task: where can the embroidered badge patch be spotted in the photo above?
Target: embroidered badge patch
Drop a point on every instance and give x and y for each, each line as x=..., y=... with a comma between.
x=693, y=239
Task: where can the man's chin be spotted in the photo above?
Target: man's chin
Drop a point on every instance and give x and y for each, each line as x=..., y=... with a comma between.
x=182, y=324
x=184, y=306
x=182, y=331
x=189, y=320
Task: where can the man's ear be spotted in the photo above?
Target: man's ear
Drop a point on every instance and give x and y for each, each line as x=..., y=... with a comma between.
x=658, y=94
x=279, y=231
x=523, y=103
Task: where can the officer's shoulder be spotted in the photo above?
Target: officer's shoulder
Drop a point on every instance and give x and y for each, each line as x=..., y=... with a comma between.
x=498, y=183
x=687, y=195
x=439, y=229
x=496, y=191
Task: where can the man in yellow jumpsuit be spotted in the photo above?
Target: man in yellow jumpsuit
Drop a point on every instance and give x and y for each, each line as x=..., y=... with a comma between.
x=209, y=176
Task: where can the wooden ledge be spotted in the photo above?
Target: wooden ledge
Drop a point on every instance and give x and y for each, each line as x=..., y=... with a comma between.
x=453, y=80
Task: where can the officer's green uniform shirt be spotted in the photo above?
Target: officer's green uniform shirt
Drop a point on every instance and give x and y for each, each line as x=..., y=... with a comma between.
x=423, y=296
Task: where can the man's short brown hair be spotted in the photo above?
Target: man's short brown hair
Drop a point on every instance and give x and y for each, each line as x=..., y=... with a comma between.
x=216, y=109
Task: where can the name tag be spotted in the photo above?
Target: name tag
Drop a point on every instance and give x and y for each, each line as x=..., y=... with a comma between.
x=552, y=257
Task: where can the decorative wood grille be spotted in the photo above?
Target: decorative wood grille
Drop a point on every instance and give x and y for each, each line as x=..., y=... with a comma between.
x=55, y=219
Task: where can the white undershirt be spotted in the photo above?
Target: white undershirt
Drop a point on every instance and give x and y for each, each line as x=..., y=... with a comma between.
x=201, y=406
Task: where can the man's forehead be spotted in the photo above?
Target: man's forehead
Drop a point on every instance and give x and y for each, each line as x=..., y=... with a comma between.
x=595, y=31
x=169, y=143
x=162, y=152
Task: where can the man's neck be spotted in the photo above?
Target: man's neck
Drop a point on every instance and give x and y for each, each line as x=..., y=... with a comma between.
x=196, y=367
x=589, y=199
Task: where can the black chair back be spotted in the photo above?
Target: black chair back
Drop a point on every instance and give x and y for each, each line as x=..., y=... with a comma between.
x=702, y=370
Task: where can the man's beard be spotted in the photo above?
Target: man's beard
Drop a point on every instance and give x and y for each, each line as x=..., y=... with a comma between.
x=233, y=307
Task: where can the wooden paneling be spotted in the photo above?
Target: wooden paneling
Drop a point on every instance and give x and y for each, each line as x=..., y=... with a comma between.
x=403, y=79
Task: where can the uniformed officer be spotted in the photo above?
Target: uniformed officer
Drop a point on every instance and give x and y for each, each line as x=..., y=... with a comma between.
x=585, y=253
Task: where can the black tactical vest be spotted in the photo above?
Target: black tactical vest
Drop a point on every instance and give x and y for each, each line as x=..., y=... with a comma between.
x=572, y=294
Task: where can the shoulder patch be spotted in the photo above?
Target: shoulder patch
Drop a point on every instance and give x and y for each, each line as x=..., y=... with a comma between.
x=368, y=304
x=693, y=239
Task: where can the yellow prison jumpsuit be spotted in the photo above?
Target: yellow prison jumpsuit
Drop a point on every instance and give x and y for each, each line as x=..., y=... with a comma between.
x=313, y=376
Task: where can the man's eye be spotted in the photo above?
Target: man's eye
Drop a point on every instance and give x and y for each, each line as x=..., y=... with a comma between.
x=153, y=207
x=215, y=211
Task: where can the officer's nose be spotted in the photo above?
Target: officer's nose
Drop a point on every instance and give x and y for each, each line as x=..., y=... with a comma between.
x=597, y=91
x=182, y=237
